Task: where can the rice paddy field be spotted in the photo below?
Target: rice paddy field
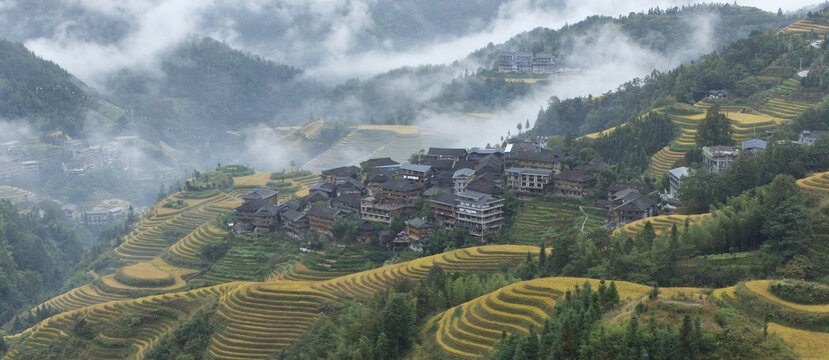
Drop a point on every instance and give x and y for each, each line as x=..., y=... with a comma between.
x=165, y=226
x=817, y=183
x=660, y=223
x=809, y=345
x=563, y=215
x=16, y=195
x=157, y=321
x=368, y=141
x=472, y=329
x=805, y=26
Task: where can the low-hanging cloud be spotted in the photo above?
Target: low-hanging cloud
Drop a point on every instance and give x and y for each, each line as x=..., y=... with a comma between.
x=332, y=39
x=607, y=58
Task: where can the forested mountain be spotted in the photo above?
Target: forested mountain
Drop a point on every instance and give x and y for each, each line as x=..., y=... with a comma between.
x=39, y=92
x=207, y=88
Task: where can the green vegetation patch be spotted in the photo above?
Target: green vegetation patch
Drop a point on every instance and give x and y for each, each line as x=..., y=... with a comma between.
x=800, y=292
x=235, y=170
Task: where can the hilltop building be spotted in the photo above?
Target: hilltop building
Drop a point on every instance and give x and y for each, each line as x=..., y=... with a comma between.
x=524, y=62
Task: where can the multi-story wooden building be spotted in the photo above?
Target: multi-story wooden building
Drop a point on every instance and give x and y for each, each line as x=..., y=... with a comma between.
x=573, y=183
x=321, y=218
x=480, y=214
x=417, y=174
x=381, y=209
x=331, y=175
x=528, y=183
x=401, y=190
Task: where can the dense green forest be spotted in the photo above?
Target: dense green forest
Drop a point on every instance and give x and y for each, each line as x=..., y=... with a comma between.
x=37, y=254
x=39, y=91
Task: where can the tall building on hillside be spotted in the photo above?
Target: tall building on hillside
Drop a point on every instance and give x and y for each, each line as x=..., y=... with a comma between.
x=525, y=62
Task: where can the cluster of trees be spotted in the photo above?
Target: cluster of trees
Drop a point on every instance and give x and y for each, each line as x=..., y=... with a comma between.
x=629, y=145
x=575, y=330
x=209, y=180
x=776, y=220
x=702, y=190
x=37, y=254
x=714, y=129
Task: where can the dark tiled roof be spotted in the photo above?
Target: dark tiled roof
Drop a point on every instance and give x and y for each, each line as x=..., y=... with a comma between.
x=445, y=198
x=521, y=147
x=545, y=156
x=439, y=164
x=323, y=212
x=322, y=186
x=379, y=175
x=260, y=193
x=469, y=164
x=350, y=183
x=416, y=167
x=372, y=163
x=292, y=215
x=252, y=206
x=593, y=165
x=342, y=171
x=269, y=210
x=316, y=196
x=574, y=175
x=643, y=189
x=418, y=223
x=639, y=203
x=485, y=184
x=399, y=185
x=290, y=204
x=348, y=200
x=461, y=153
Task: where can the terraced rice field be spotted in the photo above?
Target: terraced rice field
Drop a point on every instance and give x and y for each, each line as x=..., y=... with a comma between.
x=16, y=194
x=350, y=150
x=663, y=161
x=478, y=259
x=598, y=134
x=111, y=204
x=264, y=318
x=399, y=129
x=147, y=333
x=806, y=25
x=185, y=252
x=320, y=268
x=660, y=223
x=783, y=108
x=165, y=226
x=242, y=262
x=751, y=126
x=402, y=147
x=809, y=345
x=725, y=294
x=109, y=289
x=470, y=330
x=817, y=183
x=565, y=217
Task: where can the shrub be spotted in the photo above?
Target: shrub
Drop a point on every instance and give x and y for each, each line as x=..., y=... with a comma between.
x=800, y=292
x=144, y=283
